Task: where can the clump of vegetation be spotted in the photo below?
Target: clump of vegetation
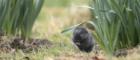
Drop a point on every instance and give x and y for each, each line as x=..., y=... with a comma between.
x=17, y=17
x=117, y=23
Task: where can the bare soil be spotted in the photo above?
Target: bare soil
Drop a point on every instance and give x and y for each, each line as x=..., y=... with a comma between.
x=13, y=44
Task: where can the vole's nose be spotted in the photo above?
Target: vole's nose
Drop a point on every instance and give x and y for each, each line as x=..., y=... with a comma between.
x=77, y=43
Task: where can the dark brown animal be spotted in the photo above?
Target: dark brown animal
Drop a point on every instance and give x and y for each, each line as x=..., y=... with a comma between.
x=83, y=39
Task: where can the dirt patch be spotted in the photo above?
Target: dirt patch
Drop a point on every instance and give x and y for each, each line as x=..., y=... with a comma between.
x=29, y=45
x=80, y=57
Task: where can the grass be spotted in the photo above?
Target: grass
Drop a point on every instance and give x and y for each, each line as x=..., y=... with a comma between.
x=116, y=24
